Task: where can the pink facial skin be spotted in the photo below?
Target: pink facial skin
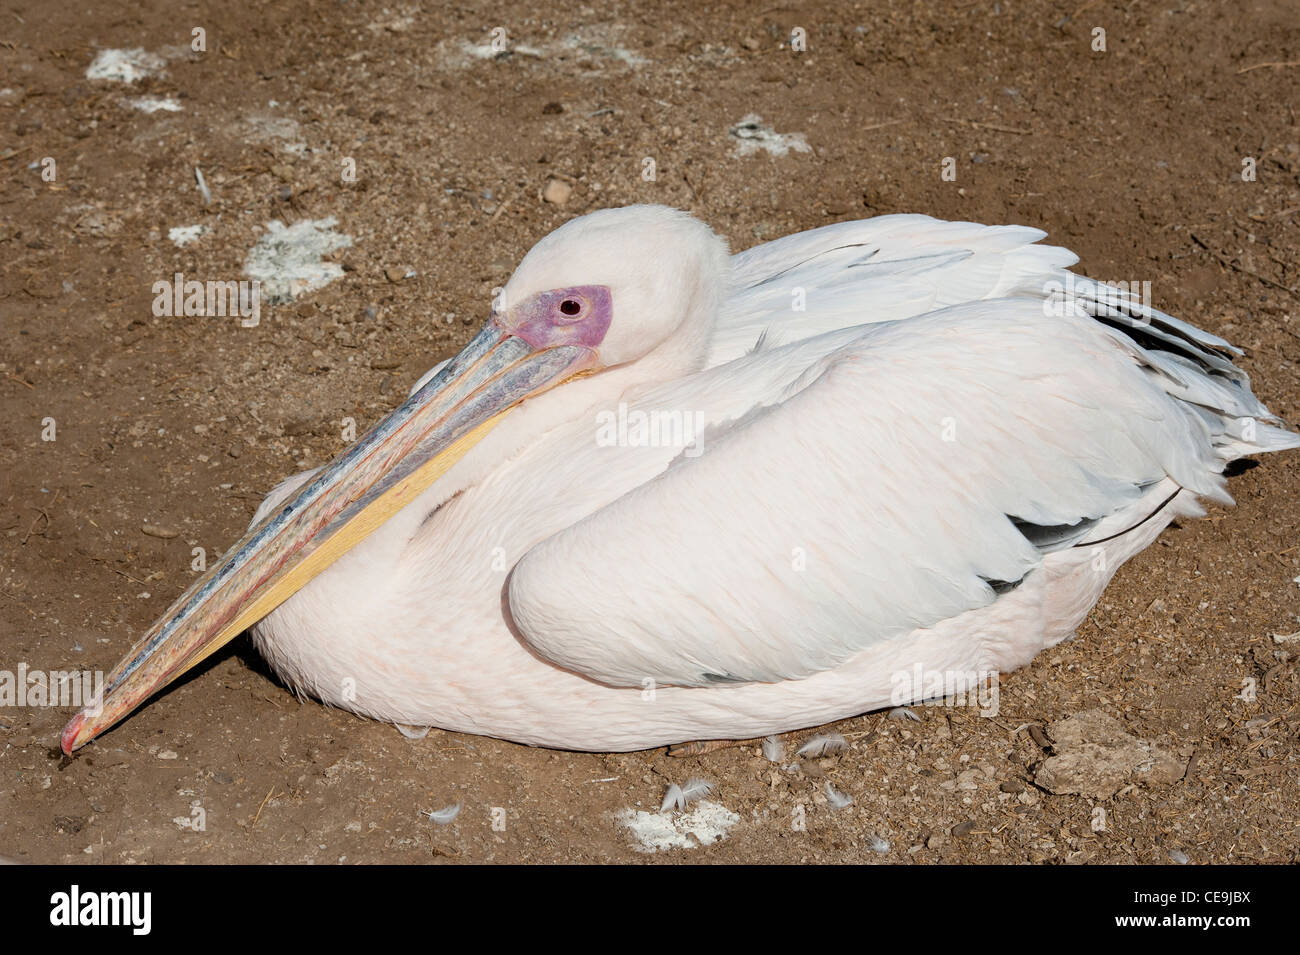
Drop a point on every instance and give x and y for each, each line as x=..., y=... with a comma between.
x=562, y=316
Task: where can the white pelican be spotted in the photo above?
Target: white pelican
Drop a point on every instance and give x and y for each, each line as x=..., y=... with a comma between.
x=921, y=444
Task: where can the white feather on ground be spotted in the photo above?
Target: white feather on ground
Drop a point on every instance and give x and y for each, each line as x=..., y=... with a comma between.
x=678, y=797
x=837, y=799
x=823, y=744
x=444, y=815
x=773, y=749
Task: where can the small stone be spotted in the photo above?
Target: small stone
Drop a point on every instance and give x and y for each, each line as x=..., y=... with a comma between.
x=963, y=828
x=168, y=754
x=936, y=841
x=159, y=530
x=235, y=450
x=557, y=192
x=552, y=109
x=395, y=275
x=749, y=43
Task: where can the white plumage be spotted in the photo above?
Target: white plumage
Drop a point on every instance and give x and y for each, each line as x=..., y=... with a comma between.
x=837, y=799
x=939, y=460
x=824, y=744
x=679, y=797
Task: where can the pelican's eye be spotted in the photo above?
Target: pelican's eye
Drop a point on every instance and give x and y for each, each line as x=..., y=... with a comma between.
x=571, y=315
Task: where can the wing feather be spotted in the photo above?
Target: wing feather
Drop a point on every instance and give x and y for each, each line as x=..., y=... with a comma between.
x=880, y=492
x=875, y=270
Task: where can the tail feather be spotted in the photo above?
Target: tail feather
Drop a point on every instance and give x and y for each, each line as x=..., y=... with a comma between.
x=1193, y=365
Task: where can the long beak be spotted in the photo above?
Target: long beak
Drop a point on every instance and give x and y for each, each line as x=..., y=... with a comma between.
x=379, y=475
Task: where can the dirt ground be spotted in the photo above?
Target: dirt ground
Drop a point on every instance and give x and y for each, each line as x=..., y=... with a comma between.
x=1132, y=156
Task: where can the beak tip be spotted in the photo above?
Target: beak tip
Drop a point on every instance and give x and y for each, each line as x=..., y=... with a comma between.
x=70, y=738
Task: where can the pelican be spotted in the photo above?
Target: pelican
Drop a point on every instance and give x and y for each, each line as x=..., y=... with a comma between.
x=669, y=494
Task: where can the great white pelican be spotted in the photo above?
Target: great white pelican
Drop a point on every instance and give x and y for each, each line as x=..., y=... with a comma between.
x=671, y=494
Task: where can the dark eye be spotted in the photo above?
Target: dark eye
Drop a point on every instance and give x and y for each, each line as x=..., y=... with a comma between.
x=570, y=307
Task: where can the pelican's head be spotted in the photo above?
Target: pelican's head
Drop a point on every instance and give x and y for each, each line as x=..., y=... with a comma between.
x=607, y=289
x=628, y=281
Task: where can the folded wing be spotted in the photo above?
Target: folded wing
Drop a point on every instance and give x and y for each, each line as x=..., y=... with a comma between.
x=915, y=470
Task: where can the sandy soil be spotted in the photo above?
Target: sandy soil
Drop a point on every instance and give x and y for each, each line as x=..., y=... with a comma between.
x=1132, y=157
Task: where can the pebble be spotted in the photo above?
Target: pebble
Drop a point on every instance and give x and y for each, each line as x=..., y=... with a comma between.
x=557, y=192
x=159, y=530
